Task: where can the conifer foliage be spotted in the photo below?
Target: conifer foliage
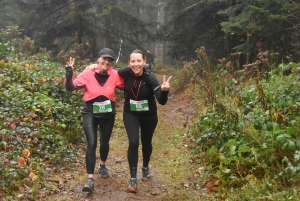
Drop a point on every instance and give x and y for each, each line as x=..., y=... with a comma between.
x=93, y=24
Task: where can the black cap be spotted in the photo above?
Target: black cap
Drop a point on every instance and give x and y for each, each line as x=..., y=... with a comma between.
x=106, y=52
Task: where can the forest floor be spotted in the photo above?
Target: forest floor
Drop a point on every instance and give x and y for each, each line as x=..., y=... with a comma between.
x=175, y=175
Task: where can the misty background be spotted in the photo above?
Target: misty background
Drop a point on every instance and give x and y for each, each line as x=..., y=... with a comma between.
x=171, y=30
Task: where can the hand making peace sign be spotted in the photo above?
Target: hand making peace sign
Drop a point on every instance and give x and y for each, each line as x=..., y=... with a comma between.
x=165, y=85
x=71, y=63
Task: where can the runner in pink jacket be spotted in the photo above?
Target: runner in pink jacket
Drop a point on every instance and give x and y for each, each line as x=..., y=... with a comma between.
x=98, y=109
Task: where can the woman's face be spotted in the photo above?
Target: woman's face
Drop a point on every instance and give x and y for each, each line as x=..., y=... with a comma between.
x=137, y=63
x=104, y=63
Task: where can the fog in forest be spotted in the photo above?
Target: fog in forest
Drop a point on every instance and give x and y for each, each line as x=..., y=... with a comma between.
x=170, y=31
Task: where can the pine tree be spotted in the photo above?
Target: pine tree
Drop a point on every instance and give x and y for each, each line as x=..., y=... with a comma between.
x=93, y=24
x=263, y=25
x=192, y=24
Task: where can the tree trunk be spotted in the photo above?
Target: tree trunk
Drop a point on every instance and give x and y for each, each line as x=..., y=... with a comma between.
x=159, y=45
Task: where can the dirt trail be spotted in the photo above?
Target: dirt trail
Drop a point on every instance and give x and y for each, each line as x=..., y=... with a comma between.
x=174, y=176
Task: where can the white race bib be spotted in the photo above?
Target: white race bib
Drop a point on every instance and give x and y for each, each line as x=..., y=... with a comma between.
x=139, y=106
x=102, y=107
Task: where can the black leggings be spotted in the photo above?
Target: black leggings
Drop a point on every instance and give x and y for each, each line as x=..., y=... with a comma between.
x=90, y=125
x=133, y=122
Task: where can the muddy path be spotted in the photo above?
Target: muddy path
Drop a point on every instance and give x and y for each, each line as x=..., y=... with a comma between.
x=175, y=177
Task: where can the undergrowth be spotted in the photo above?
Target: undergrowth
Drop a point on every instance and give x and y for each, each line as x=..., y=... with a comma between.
x=39, y=119
x=248, y=136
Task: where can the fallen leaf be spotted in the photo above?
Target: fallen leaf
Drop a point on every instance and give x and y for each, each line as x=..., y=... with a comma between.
x=210, y=186
x=21, y=161
x=13, y=126
x=26, y=152
x=31, y=175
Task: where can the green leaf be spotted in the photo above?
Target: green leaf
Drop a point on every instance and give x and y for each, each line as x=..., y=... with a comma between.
x=35, y=178
x=291, y=130
x=213, y=149
x=218, y=174
x=291, y=145
x=284, y=146
x=232, y=150
x=297, y=157
x=3, y=143
x=283, y=138
x=34, y=165
x=243, y=148
x=231, y=142
x=225, y=170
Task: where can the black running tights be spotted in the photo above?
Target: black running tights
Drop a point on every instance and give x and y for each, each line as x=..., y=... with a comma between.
x=90, y=125
x=146, y=124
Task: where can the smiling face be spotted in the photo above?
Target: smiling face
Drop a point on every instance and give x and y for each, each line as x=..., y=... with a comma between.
x=104, y=63
x=137, y=63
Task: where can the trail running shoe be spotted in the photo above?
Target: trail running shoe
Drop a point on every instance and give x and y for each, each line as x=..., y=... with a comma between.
x=146, y=176
x=132, y=186
x=89, y=186
x=103, y=171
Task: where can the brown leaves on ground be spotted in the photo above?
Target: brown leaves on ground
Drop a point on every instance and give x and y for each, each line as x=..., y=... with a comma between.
x=210, y=186
x=26, y=153
x=21, y=160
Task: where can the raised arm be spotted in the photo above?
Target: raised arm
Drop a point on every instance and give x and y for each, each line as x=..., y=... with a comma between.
x=161, y=91
x=69, y=75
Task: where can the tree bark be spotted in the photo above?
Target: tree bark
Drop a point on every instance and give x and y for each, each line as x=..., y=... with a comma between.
x=159, y=45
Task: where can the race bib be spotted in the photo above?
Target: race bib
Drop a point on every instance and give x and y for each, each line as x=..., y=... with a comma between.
x=139, y=106
x=102, y=107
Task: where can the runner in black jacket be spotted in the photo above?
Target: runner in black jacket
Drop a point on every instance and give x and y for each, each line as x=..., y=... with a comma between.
x=141, y=87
